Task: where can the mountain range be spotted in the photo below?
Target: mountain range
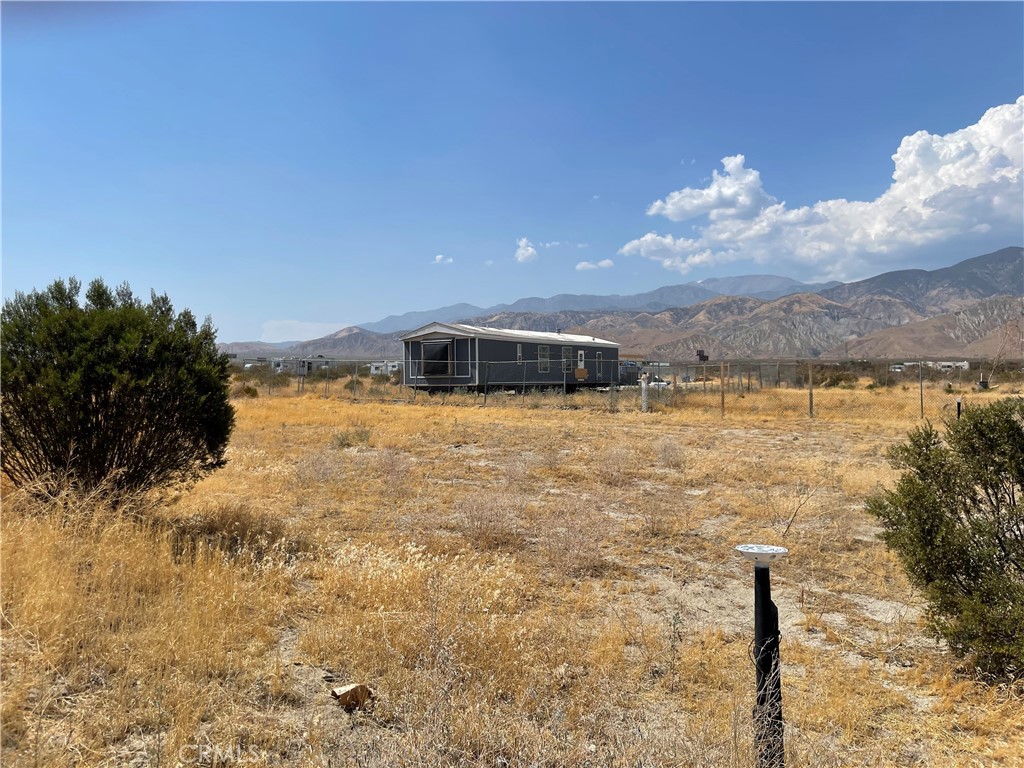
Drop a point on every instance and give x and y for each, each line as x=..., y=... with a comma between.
x=971, y=309
x=756, y=286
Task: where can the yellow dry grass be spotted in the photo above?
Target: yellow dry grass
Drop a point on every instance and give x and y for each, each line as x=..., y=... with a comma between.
x=541, y=581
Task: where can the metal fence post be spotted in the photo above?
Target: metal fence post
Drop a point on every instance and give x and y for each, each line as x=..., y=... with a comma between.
x=920, y=383
x=769, y=726
x=721, y=380
x=810, y=390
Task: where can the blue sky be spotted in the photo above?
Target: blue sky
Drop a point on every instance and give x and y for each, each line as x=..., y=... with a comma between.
x=294, y=168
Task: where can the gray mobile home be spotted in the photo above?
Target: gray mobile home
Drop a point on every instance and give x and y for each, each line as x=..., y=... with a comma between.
x=448, y=355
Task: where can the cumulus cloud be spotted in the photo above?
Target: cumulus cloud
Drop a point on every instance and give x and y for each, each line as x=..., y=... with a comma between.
x=944, y=189
x=735, y=194
x=442, y=259
x=603, y=264
x=525, y=251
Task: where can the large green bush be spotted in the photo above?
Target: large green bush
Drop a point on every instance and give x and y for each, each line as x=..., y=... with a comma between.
x=956, y=522
x=115, y=395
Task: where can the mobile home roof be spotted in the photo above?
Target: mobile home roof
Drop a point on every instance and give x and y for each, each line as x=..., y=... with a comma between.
x=507, y=334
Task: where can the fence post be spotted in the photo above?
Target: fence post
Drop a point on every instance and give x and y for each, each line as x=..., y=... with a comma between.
x=920, y=383
x=769, y=725
x=721, y=378
x=487, y=376
x=810, y=389
x=643, y=393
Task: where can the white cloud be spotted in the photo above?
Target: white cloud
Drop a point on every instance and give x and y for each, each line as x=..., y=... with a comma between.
x=525, y=252
x=736, y=194
x=296, y=330
x=442, y=259
x=969, y=183
x=603, y=264
x=563, y=243
x=489, y=263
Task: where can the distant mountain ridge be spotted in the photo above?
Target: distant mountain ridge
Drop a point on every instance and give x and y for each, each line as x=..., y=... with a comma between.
x=659, y=298
x=762, y=286
x=969, y=308
x=942, y=290
x=682, y=295
x=412, y=320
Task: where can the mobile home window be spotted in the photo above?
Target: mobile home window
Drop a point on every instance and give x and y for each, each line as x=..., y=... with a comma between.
x=543, y=358
x=566, y=359
x=519, y=353
x=437, y=358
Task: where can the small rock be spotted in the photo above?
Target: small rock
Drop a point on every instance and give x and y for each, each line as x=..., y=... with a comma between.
x=352, y=696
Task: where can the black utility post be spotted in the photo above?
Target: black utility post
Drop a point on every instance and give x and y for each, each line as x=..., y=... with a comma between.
x=768, y=722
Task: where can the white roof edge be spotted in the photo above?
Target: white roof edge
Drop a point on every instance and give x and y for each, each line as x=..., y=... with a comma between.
x=484, y=332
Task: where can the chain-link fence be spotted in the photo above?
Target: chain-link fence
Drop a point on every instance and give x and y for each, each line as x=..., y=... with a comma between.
x=864, y=389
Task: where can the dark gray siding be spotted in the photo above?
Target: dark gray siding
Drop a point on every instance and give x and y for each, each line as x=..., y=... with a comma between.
x=501, y=366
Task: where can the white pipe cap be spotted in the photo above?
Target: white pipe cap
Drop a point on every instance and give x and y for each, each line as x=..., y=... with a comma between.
x=762, y=554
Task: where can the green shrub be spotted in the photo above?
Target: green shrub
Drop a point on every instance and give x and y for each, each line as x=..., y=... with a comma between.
x=114, y=395
x=956, y=522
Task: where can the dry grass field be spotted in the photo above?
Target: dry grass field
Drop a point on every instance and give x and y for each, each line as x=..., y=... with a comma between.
x=537, y=582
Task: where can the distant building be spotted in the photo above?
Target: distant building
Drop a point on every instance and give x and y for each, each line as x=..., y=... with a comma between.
x=447, y=355
x=385, y=367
